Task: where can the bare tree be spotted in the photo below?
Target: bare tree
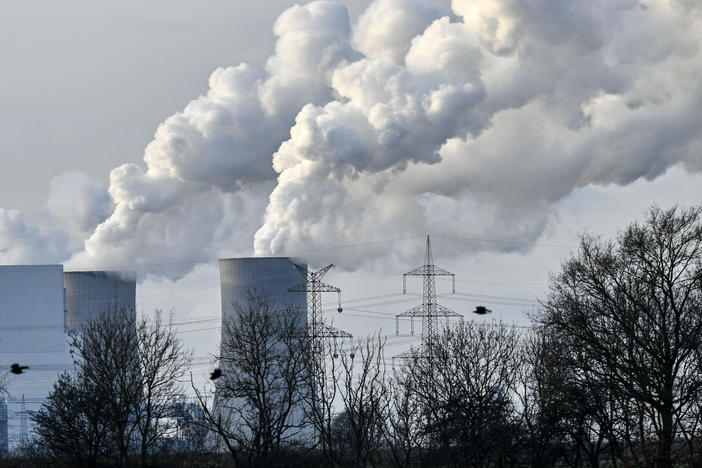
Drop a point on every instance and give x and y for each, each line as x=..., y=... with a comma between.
x=257, y=406
x=323, y=374
x=404, y=425
x=106, y=352
x=3, y=383
x=569, y=415
x=632, y=309
x=543, y=410
x=464, y=389
x=71, y=425
x=115, y=403
x=365, y=398
x=163, y=363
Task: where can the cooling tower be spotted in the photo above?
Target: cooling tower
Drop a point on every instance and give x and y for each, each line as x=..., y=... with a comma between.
x=271, y=276
x=91, y=294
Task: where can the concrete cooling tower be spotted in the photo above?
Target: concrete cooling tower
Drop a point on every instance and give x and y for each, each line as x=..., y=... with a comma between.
x=91, y=294
x=271, y=276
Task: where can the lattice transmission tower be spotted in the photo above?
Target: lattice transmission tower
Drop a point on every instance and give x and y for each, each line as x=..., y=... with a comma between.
x=317, y=330
x=429, y=310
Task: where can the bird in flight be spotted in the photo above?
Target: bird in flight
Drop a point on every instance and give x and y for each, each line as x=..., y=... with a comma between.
x=17, y=369
x=215, y=374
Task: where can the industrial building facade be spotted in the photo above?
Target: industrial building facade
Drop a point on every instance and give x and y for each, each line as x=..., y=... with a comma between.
x=4, y=441
x=38, y=305
x=31, y=334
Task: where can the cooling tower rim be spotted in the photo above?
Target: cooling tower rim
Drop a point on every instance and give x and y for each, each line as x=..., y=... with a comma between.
x=258, y=258
x=93, y=272
x=113, y=275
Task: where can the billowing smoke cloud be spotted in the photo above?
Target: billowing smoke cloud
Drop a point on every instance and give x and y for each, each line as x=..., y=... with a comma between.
x=473, y=122
x=23, y=243
x=488, y=121
x=78, y=204
x=208, y=171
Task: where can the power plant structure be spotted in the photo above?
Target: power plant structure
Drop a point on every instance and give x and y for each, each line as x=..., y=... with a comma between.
x=38, y=305
x=239, y=279
x=277, y=278
x=32, y=315
x=4, y=441
x=269, y=276
x=91, y=294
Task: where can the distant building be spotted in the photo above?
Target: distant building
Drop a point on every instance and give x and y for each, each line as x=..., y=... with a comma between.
x=91, y=294
x=31, y=334
x=4, y=441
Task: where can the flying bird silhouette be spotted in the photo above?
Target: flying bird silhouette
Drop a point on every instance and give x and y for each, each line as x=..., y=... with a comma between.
x=215, y=374
x=481, y=310
x=17, y=369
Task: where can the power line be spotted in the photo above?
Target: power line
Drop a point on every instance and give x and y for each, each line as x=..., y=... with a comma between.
x=314, y=287
x=137, y=266
x=503, y=241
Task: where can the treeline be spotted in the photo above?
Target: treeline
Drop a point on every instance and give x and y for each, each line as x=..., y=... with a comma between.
x=609, y=373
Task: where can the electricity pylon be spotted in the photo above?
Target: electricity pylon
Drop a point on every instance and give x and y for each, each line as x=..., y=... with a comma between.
x=429, y=311
x=317, y=330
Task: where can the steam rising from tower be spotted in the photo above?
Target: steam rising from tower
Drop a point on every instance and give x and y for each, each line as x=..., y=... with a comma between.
x=481, y=118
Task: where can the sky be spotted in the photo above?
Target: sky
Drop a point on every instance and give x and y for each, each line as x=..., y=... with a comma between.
x=159, y=136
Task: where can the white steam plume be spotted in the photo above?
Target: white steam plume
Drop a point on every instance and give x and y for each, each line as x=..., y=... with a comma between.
x=77, y=204
x=474, y=122
x=208, y=171
x=24, y=243
x=488, y=122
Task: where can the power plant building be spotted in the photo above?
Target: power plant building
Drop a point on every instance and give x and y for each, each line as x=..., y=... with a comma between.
x=31, y=334
x=91, y=294
x=4, y=441
x=271, y=276
x=38, y=305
